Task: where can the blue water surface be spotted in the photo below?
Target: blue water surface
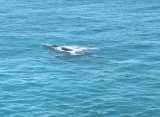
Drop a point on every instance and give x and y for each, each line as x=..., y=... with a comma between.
x=119, y=78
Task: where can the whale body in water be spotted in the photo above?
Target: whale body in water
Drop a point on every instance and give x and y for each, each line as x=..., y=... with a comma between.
x=62, y=49
x=71, y=50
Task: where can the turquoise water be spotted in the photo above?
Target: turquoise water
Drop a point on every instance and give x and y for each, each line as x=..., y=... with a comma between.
x=118, y=77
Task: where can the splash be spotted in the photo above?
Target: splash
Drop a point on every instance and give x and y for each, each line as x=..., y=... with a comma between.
x=79, y=48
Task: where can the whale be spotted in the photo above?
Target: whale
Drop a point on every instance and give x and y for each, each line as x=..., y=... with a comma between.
x=55, y=47
x=68, y=50
x=61, y=49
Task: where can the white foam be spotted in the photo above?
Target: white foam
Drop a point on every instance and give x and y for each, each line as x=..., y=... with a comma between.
x=58, y=48
x=72, y=52
x=79, y=49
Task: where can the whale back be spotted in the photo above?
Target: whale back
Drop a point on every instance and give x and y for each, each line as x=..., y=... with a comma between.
x=66, y=49
x=54, y=46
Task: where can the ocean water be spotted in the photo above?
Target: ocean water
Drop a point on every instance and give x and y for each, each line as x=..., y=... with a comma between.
x=118, y=77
